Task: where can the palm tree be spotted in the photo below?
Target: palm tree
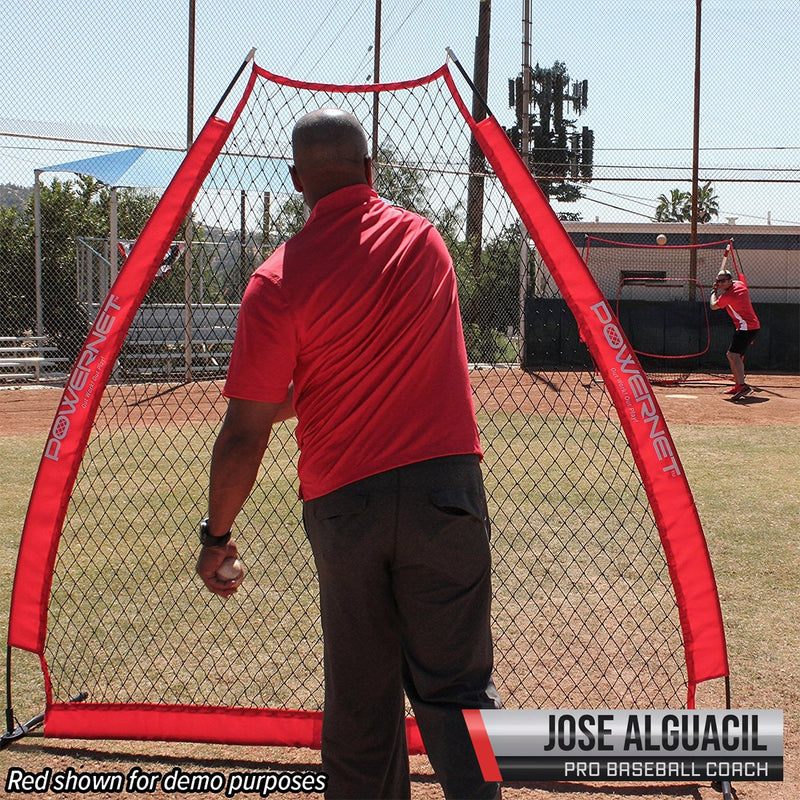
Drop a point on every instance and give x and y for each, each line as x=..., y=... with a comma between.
x=675, y=208
x=678, y=206
x=707, y=203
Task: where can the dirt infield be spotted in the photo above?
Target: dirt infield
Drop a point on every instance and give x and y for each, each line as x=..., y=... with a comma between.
x=775, y=400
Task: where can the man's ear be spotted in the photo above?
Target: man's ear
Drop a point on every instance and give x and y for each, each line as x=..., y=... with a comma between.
x=298, y=184
x=368, y=169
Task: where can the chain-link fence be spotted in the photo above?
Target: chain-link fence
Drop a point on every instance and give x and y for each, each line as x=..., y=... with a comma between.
x=609, y=126
x=584, y=611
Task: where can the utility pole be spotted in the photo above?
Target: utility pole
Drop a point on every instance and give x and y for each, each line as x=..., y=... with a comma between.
x=188, y=232
x=524, y=245
x=376, y=78
x=695, y=149
x=190, y=86
x=525, y=132
x=477, y=162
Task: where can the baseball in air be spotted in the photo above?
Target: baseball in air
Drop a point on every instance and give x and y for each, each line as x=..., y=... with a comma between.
x=661, y=239
x=231, y=569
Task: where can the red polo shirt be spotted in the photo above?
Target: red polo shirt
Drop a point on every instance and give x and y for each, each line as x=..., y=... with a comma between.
x=360, y=310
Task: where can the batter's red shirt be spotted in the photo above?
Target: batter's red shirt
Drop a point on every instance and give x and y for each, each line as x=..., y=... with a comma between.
x=360, y=310
x=736, y=301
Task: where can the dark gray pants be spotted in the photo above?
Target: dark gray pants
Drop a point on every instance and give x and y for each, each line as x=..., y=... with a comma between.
x=405, y=595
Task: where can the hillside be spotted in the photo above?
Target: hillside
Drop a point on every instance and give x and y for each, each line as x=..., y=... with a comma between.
x=11, y=195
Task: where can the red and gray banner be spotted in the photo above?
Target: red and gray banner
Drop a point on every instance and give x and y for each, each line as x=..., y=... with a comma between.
x=627, y=745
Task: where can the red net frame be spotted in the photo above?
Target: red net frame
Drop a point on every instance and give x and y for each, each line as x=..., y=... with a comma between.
x=665, y=313
x=664, y=485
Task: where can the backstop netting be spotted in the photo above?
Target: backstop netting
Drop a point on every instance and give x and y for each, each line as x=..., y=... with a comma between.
x=604, y=593
x=660, y=294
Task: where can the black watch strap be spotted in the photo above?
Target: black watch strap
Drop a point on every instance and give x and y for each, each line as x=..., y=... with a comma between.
x=207, y=540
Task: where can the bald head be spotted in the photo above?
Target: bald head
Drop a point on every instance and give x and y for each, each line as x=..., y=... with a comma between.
x=330, y=152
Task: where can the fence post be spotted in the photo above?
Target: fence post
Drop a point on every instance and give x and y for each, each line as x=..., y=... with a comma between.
x=188, y=322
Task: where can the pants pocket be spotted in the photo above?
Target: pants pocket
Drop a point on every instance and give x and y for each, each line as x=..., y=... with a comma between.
x=336, y=526
x=460, y=502
x=328, y=508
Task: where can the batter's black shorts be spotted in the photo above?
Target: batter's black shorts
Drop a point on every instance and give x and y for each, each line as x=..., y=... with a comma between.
x=741, y=341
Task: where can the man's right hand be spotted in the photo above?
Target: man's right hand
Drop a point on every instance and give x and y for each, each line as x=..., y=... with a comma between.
x=208, y=563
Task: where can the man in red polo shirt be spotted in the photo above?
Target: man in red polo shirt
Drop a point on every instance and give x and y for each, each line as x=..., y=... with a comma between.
x=734, y=297
x=353, y=324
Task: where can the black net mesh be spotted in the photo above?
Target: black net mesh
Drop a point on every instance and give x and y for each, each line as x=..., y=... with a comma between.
x=584, y=611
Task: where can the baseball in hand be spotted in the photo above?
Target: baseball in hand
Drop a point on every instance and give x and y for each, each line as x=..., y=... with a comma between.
x=231, y=569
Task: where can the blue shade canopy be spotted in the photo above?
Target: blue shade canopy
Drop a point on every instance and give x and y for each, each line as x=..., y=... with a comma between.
x=139, y=167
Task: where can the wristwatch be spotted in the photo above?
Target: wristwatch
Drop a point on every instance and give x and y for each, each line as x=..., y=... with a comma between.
x=207, y=540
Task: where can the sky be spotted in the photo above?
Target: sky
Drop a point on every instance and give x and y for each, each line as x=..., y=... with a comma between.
x=117, y=72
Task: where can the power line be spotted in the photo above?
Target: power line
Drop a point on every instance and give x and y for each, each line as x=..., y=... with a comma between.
x=324, y=51
x=309, y=40
x=647, y=202
x=385, y=41
x=688, y=149
x=402, y=24
x=618, y=208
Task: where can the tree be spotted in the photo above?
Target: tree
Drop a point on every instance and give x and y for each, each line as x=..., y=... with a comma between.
x=68, y=210
x=490, y=299
x=134, y=208
x=707, y=203
x=17, y=290
x=677, y=207
x=559, y=155
x=398, y=181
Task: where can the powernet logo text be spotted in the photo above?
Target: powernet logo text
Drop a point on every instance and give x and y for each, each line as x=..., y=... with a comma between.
x=628, y=745
x=636, y=391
